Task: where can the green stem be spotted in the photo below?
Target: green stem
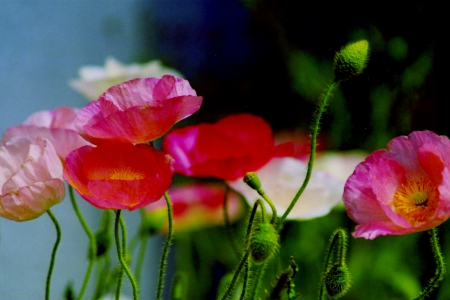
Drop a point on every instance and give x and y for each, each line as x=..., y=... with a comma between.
x=244, y=286
x=440, y=267
x=315, y=131
x=121, y=253
x=166, y=248
x=259, y=273
x=92, y=243
x=272, y=206
x=53, y=257
x=141, y=257
x=230, y=287
x=226, y=217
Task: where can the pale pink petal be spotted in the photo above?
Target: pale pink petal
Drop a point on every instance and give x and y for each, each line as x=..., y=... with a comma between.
x=31, y=181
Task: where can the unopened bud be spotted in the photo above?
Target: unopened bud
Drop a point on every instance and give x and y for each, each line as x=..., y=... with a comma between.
x=252, y=180
x=351, y=60
x=337, y=280
x=264, y=242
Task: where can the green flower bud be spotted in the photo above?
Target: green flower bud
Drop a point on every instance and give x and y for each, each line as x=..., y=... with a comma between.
x=337, y=280
x=252, y=180
x=264, y=242
x=351, y=60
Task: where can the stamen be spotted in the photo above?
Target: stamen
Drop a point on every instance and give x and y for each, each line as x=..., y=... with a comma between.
x=416, y=200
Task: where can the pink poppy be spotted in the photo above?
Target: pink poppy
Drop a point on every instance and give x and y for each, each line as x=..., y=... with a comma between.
x=119, y=175
x=195, y=206
x=228, y=149
x=402, y=189
x=58, y=126
x=138, y=111
x=30, y=178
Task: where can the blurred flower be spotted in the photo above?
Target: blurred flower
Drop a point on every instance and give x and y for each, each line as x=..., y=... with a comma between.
x=119, y=175
x=95, y=80
x=402, y=189
x=282, y=177
x=30, y=178
x=195, y=206
x=301, y=141
x=228, y=149
x=339, y=164
x=55, y=125
x=137, y=111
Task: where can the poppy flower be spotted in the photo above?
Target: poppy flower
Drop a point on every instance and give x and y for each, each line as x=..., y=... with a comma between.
x=195, y=205
x=95, y=80
x=282, y=177
x=58, y=126
x=137, y=111
x=402, y=189
x=228, y=149
x=119, y=175
x=31, y=178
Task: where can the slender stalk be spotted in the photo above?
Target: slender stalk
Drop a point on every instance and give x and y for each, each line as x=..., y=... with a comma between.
x=226, y=218
x=92, y=243
x=236, y=276
x=272, y=206
x=141, y=256
x=244, y=286
x=53, y=256
x=121, y=253
x=440, y=267
x=315, y=131
x=166, y=248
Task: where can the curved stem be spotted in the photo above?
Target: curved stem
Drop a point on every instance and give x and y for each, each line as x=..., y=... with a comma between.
x=121, y=253
x=315, y=131
x=440, y=267
x=53, y=256
x=92, y=243
x=272, y=206
x=165, y=252
x=230, y=287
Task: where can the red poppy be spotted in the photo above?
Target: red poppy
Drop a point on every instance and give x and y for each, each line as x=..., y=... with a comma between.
x=228, y=149
x=119, y=175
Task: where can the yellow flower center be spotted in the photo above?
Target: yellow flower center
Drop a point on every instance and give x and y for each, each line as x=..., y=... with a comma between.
x=125, y=174
x=416, y=200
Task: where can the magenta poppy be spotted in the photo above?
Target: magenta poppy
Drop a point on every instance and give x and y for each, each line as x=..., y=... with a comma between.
x=402, y=189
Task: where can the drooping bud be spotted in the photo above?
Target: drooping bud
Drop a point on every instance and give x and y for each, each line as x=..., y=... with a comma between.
x=252, y=180
x=351, y=60
x=264, y=242
x=337, y=280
